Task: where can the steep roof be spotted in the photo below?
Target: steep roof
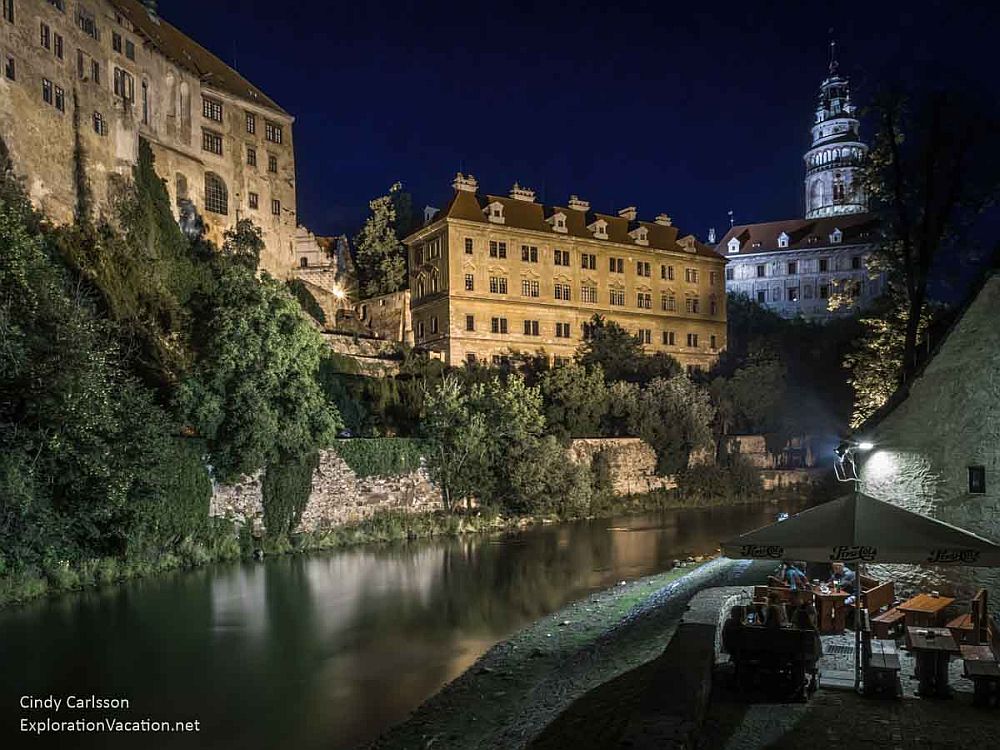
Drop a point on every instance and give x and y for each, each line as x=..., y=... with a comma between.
x=521, y=214
x=177, y=46
x=803, y=234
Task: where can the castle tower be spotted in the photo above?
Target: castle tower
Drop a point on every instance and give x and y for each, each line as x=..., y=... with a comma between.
x=832, y=184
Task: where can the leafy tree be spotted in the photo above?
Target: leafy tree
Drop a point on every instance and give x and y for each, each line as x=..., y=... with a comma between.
x=243, y=244
x=674, y=416
x=253, y=394
x=380, y=256
x=575, y=400
x=620, y=355
x=457, y=437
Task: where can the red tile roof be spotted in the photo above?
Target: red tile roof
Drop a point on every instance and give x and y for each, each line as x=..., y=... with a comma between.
x=803, y=234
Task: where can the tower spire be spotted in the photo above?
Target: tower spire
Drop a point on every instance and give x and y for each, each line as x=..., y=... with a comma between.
x=833, y=54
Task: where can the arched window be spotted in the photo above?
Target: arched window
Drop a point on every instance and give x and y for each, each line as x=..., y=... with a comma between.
x=171, y=95
x=216, y=195
x=839, y=193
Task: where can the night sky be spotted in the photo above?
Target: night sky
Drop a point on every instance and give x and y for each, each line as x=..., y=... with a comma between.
x=688, y=108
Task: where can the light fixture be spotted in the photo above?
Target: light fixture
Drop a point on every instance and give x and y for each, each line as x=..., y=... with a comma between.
x=865, y=445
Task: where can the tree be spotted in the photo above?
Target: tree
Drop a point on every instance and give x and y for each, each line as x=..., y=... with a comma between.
x=243, y=244
x=379, y=254
x=575, y=400
x=674, y=416
x=931, y=169
x=457, y=437
x=620, y=355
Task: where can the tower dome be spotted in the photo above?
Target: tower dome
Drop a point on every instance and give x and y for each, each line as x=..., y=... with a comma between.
x=832, y=183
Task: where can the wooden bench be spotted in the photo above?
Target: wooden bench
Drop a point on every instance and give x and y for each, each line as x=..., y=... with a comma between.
x=879, y=597
x=981, y=664
x=880, y=663
x=888, y=624
x=970, y=628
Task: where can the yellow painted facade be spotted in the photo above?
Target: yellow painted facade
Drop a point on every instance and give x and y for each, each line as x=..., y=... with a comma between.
x=493, y=276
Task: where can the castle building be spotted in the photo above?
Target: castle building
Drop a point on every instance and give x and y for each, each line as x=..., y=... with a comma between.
x=796, y=266
x=83, y=80
x=491, y=276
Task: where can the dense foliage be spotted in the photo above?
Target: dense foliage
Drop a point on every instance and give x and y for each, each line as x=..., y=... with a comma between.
x=379, y=254
x=384, y=457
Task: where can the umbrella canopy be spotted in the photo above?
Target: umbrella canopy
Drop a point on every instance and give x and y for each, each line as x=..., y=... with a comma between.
x=858, y=528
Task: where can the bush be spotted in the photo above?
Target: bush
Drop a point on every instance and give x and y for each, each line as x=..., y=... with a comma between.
x=285, y=488
x=711, y=483
x=383, y=457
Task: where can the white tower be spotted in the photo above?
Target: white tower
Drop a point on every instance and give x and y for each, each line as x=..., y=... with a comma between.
x=832, y=185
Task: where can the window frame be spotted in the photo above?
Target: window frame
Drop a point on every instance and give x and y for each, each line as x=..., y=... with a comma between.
x=210, y=140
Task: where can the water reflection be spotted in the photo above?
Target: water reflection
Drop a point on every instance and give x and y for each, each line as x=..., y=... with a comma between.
x=324, y=651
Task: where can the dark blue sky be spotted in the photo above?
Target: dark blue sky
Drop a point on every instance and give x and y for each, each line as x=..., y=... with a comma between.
x=689, y=108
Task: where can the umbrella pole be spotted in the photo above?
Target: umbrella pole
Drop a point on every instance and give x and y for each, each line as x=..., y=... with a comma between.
x=857, y=627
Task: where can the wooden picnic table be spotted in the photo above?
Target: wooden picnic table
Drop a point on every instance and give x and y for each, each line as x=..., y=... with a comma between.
x=932, y=648
x=980, y=665
x=925, y=610
x=831, y=610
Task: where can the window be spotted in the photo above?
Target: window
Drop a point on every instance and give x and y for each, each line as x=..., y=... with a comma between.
x=793, y=294
x=562, y=291
x=47, y=91
x=667, y=273
x=129, y=49
x=124, y=85
x=692, y=304
x=730, y=274
x=254, y=200
x=116, y=42
x=9, y=69
x=617, y=297
x=824, y=291
x=95, y=71
x=470, y=282
x=642, y=268
x=470, y=359
x=251, y=156
x=668, y=338
x=588, y=261
x=498, y=325
x=711, y=341
x=824, y=265
x=498, y=249
x=713, y=306
x=251, y=122
x=562, y=330
x=793, y=268
x=57, y=45
x=782, y=240
x=145, y=103
x=644, y=335
x=587, y=329
x=713, y=278
x=616, y=265
x=420, y=329
x=468, y=246
x=216, y=195
x=275, y=207
x=529, y=288
x=498, y=284
x=434, y=248
x=856, y=262
x=693, y=340
x=100, y=126
x=470, y=322
x=588, y=293
x=761, y=296
x=761, y=270
x=531, y=328
x=529, y=254
x=434, y=324
x=85, y=20
x=668, y=303
x=561, y=257
x=8, y=10
x=691, y=275
x=272, y=131
x=272, y=163
x=977, y=480
x=644, y=300
x=46, y=36
x=59, y=5
x=211, y=141
x=836, y=236
x=60, y=99
x=211, y=108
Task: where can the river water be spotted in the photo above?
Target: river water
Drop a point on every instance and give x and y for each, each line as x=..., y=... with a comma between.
x=323, y=650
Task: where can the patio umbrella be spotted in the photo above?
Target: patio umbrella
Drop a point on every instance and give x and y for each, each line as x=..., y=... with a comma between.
x=860, y=529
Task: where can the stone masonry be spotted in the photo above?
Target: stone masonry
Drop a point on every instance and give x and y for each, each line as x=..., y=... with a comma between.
x=633, y=463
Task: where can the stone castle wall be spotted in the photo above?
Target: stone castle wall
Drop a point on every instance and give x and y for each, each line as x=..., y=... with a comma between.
x=633, y=463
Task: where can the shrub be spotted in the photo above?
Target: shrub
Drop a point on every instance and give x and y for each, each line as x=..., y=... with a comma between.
x=383, y=457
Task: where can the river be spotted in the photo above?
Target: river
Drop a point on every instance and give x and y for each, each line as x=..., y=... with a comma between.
x=323, y=650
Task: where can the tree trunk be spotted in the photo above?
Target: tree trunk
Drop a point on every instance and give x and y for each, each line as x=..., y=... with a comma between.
x=916, y=309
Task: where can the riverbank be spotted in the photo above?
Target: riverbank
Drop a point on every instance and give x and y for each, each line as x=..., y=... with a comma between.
x=519, y=686
x=224, y=542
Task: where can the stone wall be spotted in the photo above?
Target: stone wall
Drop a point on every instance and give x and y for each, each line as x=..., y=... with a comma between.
x=949, y=421
x=633, y=463
x=339, y=497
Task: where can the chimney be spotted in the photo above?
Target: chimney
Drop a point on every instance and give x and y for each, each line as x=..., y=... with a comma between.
x=664, y=221
x=628, y=213
x=519, y=193
x=578, y=205
x=711, y=236
x=468, y=184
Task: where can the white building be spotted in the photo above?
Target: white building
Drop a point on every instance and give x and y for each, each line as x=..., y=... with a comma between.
x=795, y=266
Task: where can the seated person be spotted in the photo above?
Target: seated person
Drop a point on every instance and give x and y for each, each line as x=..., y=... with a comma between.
x=846, y=578
x=793, y=576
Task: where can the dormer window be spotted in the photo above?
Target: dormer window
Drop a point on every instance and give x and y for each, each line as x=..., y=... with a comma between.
x=757, y=244
x=494, y=212
x=836, y=236
x=734, y=245
x=558, y=222
x=783, y=240
x=600, y=229
x=640, y=235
